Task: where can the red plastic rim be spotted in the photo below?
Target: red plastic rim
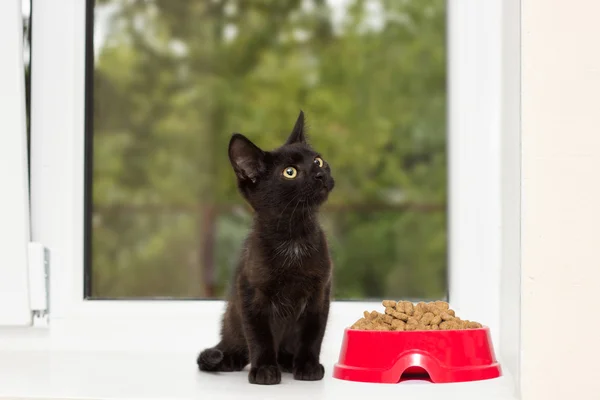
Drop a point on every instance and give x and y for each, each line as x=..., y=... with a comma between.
x=445, y=356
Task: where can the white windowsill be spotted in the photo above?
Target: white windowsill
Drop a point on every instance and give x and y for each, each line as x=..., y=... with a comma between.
x=154, y=358
x=122, y=375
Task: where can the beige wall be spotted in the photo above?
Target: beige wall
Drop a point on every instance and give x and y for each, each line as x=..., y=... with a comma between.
x=560, y=199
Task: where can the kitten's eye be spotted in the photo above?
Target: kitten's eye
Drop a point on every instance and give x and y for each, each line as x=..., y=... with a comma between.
x=290, y=172
x=319, y=161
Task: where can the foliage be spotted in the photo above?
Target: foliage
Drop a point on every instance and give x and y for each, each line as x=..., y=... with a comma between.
x=173, y=79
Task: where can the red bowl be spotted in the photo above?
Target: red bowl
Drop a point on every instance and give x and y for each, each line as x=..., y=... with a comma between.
x=390, y=357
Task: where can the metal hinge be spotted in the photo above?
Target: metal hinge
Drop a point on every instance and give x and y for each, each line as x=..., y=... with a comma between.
x=39, y=283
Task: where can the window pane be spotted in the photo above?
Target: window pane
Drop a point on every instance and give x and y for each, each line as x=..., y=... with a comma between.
x=173, y=79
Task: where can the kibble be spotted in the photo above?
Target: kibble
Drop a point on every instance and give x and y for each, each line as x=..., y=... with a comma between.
x=427, y=318
x=446, y=316
x=389, y=303
x=406, y=316
x=398, y=325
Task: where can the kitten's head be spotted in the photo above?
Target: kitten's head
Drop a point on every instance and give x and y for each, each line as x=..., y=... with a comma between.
x=273, y=181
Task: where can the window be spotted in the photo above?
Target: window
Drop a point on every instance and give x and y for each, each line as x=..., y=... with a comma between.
x=172, y=80
x=66, y=138
x=76, y=125
x=70, y=218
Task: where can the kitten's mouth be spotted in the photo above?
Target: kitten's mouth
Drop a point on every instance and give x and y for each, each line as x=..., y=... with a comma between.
x=321, y=192
x=325, y=188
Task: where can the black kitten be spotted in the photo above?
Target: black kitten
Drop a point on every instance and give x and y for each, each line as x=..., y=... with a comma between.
x=278, y=308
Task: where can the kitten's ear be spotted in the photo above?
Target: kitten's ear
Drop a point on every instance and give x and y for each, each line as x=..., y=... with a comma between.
x=298, y=134
x=246, y=158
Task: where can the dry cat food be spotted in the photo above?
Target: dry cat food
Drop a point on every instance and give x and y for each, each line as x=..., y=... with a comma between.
x=406, y=316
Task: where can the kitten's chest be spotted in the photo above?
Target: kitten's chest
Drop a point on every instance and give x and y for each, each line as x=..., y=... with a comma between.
x=293, y=286
x=289, y=299
x=294, y=252
x=289, y=293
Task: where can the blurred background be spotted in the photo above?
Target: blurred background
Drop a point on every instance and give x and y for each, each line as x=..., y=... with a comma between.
x=171, y=80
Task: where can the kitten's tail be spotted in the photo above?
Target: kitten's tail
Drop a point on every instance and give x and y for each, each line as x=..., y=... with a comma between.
x=210, y=359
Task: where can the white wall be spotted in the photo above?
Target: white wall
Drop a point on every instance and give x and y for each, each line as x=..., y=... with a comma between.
x=560, y=199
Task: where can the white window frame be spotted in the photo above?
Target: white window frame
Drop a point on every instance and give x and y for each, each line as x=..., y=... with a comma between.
x=14, y=212
x=482, y=247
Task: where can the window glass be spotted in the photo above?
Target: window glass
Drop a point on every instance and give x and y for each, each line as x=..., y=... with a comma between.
x=169, y=81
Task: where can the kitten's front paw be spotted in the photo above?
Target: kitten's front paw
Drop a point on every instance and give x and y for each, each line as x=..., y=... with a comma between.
x=309, y=372
x=265, y=375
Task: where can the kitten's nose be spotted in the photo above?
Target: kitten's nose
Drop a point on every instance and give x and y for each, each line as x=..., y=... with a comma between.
x=320, y=176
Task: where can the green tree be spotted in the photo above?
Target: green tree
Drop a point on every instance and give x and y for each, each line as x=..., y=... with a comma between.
x=173, y=79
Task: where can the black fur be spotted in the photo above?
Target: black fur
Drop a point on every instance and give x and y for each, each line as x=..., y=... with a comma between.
x=277, y=311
